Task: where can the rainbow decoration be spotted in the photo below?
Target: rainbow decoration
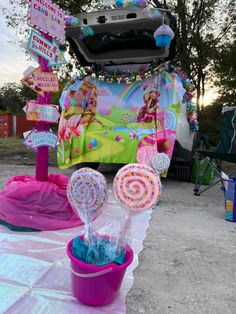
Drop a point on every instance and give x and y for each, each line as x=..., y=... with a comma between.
x=171, y=89
x=130, y=90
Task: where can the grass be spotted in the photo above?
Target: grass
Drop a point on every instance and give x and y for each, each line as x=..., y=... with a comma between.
x=11, y=144
x=11, y=148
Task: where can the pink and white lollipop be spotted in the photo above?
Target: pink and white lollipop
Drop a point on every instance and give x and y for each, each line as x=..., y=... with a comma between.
x=145, y=154
x=87, y=193
x=137, y=187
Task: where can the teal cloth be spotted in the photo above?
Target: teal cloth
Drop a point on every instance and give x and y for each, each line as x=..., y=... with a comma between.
x=101, y=253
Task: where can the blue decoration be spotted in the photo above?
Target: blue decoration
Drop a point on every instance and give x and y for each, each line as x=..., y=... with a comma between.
x=103, y=252
x=119, y=3
x=75, y=21
x=94, y=142
x=163, y=41
x=163, y=35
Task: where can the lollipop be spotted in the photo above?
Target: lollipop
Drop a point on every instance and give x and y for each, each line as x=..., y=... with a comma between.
x=161, y=163
x=137, y=187
x=145, y=154
x=87, y=193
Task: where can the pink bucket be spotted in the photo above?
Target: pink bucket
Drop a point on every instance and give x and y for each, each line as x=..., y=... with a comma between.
x=97, y=285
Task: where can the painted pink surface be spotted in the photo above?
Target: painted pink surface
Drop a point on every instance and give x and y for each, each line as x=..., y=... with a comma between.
x=48, y=18
x=42, y=152
x=39, y=205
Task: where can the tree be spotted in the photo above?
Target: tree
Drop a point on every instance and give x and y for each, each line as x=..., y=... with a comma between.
x=13, y=97
x=209, y=121
x=225, y=69
x=203, y=26
x=11, y=100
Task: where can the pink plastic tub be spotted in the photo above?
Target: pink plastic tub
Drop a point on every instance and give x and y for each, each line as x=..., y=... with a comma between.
x=97, y=285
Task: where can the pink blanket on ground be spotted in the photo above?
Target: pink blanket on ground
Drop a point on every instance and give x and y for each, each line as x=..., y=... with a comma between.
x=25, y=202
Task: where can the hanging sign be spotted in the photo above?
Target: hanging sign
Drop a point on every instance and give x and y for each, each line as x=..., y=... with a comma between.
x=47, y=17
x=40, y=112
x=36, y=139
x=46, y=49
x=41, y=82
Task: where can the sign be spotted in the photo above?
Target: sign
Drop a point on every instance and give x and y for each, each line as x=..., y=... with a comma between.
x=47, y=17
x=39, y=112
x=46, y=49
x=36, y=139
x=41, y=82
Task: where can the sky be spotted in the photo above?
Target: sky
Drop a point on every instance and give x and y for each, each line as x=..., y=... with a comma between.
x=13, y=60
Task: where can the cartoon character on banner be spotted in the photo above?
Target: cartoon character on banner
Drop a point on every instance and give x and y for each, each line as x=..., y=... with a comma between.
x=151, y=95
x=83, y=99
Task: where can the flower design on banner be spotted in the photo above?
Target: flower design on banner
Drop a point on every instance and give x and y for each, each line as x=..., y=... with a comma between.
x=74, y=126
x=62, y=129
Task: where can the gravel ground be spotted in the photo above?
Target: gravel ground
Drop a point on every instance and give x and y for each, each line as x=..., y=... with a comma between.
x=188, y=261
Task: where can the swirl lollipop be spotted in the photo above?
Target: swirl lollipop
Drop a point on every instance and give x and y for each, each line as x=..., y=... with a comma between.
x=161, y=163
x=87, y=193
x=145, y=154
x=138, y=188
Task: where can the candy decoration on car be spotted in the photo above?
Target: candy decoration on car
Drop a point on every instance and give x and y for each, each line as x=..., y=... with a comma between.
x=160, y=163
x=163, y=36
x=125, y=3
x=145, y=154
x=72, y=21
x=137, y=187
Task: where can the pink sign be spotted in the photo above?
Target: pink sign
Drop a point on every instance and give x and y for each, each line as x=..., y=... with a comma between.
x=48, y=18
x=41, y=112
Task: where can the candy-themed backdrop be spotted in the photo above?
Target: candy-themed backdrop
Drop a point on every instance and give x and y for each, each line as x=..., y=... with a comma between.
x=104, y=122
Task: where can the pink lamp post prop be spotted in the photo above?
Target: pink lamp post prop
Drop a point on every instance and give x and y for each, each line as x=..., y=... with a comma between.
x=42, y=152
x=50, y=24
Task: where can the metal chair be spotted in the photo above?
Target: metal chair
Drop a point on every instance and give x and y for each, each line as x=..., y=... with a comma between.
x=225, y=151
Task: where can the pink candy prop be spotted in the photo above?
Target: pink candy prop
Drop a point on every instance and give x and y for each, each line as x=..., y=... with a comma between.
x=137, y=187
x=146, y=154
x=87, y=193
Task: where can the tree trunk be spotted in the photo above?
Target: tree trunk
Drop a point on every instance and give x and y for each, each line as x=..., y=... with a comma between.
x=183, y=38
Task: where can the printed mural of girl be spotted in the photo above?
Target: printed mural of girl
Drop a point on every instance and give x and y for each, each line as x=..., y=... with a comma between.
x=147, y=113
